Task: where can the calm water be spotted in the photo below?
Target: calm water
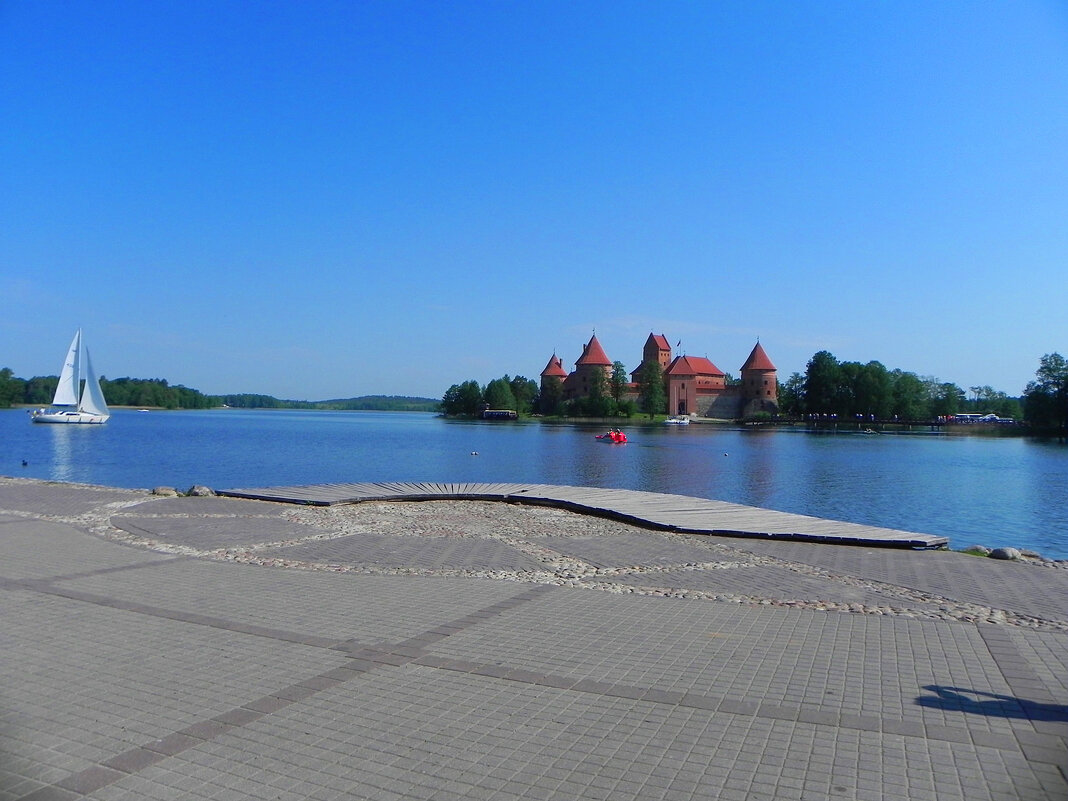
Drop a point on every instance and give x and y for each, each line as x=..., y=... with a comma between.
x=973, y=490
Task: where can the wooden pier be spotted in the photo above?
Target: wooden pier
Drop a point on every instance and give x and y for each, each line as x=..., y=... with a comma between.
x=661, y=511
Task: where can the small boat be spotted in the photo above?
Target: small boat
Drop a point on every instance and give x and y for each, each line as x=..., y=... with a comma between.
x=613, y=437
x=677, y=421
x=68, y=406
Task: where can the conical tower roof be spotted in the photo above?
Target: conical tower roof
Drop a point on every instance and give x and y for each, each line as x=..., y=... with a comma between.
x=593, y=354
x=554, y=368
x=758, y=360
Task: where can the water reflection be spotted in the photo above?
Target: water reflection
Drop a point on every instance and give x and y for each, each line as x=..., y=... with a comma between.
x=62, y=452
x=758, y=469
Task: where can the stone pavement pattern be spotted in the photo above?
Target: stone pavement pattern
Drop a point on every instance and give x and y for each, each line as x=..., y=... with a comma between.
x=157, y=648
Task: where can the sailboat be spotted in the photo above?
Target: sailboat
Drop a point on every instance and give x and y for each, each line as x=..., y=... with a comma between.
x=67, y=405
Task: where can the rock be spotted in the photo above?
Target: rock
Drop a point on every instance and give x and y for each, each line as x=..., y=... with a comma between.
x=199, y=491
x=166, y=492
x=1005, y=553
x=978, y=549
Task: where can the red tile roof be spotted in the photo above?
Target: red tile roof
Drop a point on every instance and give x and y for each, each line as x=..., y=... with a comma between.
x=692, y=365
x=593, y=353
x=758, y=360
x=661, y=341
x=555, y=367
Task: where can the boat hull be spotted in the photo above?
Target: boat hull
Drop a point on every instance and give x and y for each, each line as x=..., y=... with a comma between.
x=78, y=418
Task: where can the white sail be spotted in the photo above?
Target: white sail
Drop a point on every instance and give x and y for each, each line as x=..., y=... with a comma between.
x=70, y=377
x=67, y=406
x=92, y=396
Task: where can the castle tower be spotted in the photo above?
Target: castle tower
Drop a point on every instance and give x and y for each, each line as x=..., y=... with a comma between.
x=551, y=397
x=760, y=385
x=554, y=369
x=593, y=358
x=657, y=349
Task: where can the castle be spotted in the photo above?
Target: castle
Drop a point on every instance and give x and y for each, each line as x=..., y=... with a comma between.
x=694, y=385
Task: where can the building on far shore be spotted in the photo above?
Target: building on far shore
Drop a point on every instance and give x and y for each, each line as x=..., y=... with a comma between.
x=694, y=385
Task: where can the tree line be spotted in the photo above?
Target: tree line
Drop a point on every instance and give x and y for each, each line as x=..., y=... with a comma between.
x=157, y=393
x=871, y=391
x=377, y=403
x=469, y=398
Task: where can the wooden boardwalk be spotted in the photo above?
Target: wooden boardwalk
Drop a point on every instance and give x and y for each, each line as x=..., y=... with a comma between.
x=679, y=513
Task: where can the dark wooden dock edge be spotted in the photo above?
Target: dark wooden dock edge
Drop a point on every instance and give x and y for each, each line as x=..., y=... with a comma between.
x=659, y=511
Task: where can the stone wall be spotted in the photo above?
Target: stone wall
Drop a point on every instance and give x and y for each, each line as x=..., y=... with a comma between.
x=726, y=405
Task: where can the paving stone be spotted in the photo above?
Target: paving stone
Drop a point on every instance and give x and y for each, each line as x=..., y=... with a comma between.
x=208, y=533
x=129, y=674
x=28, y=548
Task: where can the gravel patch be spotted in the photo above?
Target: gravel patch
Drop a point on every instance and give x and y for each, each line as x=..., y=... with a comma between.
x=512, y=542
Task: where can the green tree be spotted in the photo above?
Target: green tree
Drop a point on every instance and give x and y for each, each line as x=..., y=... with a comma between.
x=988, y=400
x=618, y=382
x=943, y=398
x=498, y=394
x=450, y=401
x=41, y=389
x=1046, y=398
x=462, y=399
x=822, y=377
x=908, y=396
x=12, y=389
x=792, y=396
x=845, y=396
x=982, y=397
x=873, y=391
x=524, y=390
x=551, y=399
x=598, y=403
x=652, y=399
x=1006, y=407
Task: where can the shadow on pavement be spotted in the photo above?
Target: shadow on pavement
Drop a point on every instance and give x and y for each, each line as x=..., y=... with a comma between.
x=977, y=702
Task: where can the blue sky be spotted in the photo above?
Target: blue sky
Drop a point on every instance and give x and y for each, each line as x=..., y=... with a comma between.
x=316, y=199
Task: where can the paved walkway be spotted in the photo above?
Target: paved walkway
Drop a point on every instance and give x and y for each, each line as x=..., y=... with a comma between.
x=162, y=648
x=677, y=513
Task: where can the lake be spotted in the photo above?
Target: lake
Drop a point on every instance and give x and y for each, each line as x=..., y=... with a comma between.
x=991, y=491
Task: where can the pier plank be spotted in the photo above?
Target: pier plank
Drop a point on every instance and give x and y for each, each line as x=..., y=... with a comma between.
x=653, y=509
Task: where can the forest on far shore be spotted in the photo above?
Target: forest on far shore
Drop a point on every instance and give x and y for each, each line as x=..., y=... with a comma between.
x=156, y=393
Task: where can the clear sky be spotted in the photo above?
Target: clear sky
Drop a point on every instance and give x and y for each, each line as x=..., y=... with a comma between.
x=328, y=199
